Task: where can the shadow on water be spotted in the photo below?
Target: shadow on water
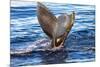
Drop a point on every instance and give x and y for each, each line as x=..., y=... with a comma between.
x=55, y=57
x=46, y=57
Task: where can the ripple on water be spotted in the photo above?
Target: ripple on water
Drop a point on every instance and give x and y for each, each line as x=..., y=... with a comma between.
x=27, y=35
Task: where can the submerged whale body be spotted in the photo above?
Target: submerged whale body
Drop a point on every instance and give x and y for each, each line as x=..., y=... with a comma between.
x=56, y=29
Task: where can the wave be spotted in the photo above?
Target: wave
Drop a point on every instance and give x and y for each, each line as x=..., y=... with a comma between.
x=80, y=60
x=32, y=20
x=35, y=46
x=43, y=45
x=22, y=3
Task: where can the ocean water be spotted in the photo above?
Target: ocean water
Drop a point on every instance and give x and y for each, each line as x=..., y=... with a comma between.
x=27, y=36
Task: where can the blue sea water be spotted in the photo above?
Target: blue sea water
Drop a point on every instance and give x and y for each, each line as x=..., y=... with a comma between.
x=27, y=35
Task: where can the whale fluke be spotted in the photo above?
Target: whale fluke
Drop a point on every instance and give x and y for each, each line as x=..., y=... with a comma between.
x=56, y=29
x=46, y=19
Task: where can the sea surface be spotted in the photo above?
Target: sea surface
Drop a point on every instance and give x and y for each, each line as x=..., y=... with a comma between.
x=28, y=38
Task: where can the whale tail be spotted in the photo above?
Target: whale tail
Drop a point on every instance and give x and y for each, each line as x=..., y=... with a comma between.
x=55, y=28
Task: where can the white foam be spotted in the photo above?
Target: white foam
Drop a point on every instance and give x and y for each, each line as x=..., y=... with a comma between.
x=89, y=2
x=25, y=20
x=21, y=3
x=80, y=60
